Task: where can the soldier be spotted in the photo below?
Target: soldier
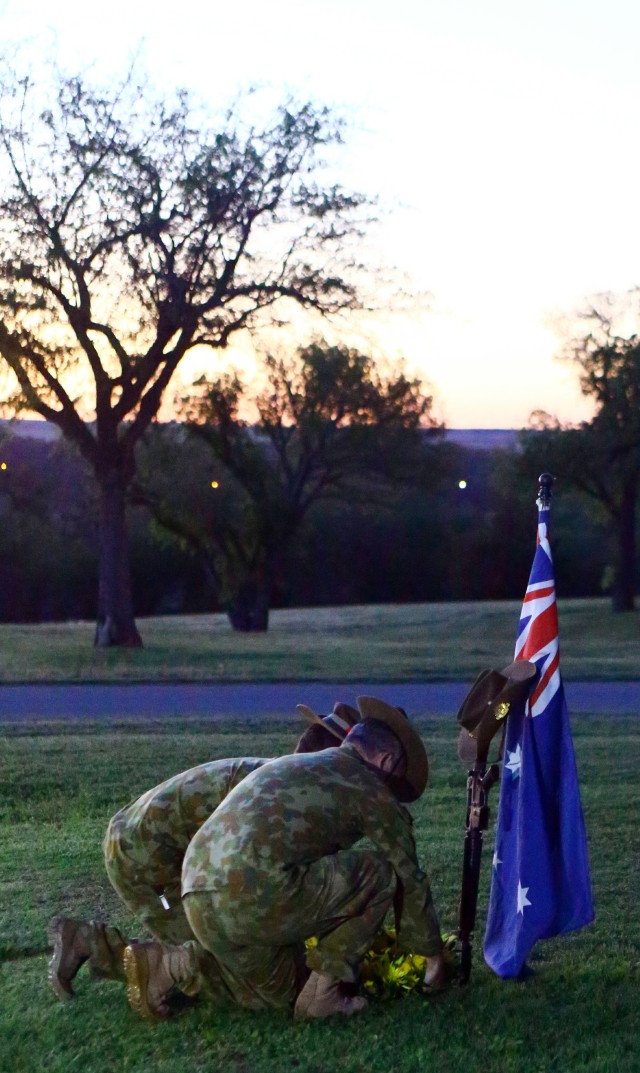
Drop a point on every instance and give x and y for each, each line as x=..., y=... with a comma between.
x=144, y=848
x=273, y=866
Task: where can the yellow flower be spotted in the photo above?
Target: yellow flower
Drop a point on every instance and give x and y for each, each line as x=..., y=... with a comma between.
x=388, y=974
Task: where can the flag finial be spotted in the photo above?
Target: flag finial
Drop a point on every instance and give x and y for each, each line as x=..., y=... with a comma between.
x=546, y=481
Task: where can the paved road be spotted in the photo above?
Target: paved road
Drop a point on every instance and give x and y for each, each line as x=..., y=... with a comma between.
x=257, y=701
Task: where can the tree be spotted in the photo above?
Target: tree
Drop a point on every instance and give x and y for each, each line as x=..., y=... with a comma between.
x=601, y=457
x=328, y=423
x=132, y=234
x=586, y=458
x=579, y=543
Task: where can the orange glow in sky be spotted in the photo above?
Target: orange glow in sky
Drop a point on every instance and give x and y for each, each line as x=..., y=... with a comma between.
x=499, y=138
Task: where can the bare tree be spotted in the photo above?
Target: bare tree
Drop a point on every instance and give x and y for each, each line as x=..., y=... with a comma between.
x=133, y=233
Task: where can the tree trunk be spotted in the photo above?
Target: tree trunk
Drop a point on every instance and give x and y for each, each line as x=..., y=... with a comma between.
x=116, y=624
x=248, y=610
x=623, y=594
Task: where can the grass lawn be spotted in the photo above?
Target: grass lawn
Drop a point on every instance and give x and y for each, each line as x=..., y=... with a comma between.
x=410, y=642
x=59, y=785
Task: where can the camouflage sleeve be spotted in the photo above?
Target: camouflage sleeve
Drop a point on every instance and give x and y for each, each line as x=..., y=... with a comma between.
x=194, y=794
x=390, y=828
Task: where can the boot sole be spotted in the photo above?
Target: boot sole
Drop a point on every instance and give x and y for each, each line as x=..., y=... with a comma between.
x=136, y=970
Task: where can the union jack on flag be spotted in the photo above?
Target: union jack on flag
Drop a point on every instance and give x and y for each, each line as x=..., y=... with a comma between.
x=540, y=883
x=538, y=632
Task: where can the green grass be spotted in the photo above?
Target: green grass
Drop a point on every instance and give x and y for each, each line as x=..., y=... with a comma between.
x=60, y=783
x=394, y=642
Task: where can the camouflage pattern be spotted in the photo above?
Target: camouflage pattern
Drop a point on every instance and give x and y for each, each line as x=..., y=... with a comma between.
x=145, y=842
x=274, y=866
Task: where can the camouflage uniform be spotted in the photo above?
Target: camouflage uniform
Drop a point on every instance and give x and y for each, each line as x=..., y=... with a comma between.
x=145, y=842
x=274, y=866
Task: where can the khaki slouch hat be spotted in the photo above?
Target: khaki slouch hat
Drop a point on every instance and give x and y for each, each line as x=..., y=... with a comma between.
x=415, y=779
x=487, y=704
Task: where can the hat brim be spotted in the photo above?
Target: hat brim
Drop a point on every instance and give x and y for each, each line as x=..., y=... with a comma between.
x=338, y=722
x=417, y=773
x=521, y=670
x=312, y=718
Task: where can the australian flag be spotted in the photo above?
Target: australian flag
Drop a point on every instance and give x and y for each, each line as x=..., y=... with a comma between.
x=540, y=879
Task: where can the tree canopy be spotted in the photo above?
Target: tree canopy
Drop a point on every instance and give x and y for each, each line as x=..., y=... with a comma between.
x=330, y=427
x=133, y=232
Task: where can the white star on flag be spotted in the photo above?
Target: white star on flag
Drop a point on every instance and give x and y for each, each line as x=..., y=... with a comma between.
x=514, y=762
x=522, y=898
x=496, y=859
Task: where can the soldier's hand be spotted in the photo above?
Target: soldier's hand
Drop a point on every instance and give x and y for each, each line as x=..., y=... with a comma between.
x=434, y=973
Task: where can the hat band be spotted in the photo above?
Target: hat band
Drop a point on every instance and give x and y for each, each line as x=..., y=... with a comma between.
x=342, y=723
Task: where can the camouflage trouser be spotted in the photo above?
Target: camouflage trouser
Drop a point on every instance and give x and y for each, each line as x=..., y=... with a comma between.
x=257, y=935
x=143, y=874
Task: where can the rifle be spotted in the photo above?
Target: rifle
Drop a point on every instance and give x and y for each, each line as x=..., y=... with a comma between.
x=479, y=782
x=483, y=713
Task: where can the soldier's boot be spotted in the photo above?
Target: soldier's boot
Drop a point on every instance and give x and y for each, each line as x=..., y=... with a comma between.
x=153, y=970
x=78, y=941
x=324, y=996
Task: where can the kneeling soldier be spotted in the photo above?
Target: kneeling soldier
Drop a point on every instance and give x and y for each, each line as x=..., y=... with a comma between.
x=144, y=849
x=274, y=866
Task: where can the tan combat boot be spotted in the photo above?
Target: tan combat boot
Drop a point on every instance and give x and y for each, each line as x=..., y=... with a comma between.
x=152, y=970
x=77, y=941
x=323, y=996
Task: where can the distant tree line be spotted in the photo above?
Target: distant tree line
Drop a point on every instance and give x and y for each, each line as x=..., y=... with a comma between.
x=411, y=537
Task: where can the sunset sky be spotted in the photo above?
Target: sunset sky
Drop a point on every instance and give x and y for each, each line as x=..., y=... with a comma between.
x=501, y=140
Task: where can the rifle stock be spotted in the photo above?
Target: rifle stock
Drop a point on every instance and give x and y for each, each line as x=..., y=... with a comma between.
x=479, y=783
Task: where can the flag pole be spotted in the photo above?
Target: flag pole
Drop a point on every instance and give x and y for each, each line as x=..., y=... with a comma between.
x=481, y=777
